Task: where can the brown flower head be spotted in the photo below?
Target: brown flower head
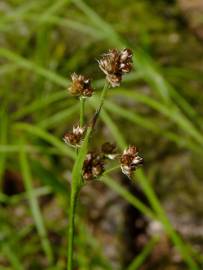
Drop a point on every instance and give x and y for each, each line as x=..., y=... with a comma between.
x=80, y=86
x=109, y=150
x=130, y=160
x=75, y=137
x=93, y=166
x=116, y=63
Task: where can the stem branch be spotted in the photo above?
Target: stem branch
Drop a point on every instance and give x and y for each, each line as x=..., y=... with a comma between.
x=101, y=102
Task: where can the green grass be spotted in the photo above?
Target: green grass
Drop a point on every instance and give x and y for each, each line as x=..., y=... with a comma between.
x=41, y=42
x=34, y=206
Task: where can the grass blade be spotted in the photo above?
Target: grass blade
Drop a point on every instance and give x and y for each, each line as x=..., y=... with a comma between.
x=129, y=197
x=39, y=132
x=59, y=117
x=141, y=258
x=160, y=214
x=156, y=205
x=170, y=111
x=34, y=206
x=3, y=140
x=39, y=104
x=149, y=125
x=8, y=252
x=24, y=63
x=144, y=64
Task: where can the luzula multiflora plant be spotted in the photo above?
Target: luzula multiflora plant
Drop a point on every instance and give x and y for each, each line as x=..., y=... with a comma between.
x=90, y=165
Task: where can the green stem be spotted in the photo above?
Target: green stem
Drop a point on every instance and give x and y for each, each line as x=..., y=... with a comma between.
x=76, y=175
x=82, y=111
x=73, y=199
x=103, y=95
x=101, y=102
x=76, y=184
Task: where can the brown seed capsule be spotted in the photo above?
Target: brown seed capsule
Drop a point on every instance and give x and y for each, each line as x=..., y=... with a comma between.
x=93, y=166
x=114, y=64
x=75, y=137
x=80, y=86
x=130, y=160
x=109, y=150
x=126, y=60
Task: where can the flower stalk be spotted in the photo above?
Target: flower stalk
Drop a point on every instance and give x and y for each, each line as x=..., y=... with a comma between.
x=82, y=111
x=89, y=166
x=76, y=185
x=72, y=206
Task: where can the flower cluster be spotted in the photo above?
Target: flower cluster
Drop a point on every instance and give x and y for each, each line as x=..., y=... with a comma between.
x=114, y=64
x=130, y=160
x=80, y=86
x=93, y=166
x=94, y=163
x=75, y=137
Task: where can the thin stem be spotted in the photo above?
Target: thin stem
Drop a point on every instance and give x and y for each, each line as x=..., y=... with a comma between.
x=103, y=95
x=76, y=184
x=82, y=111
x=101, y=102
x=73, y=199
x=76, y=175
x=111, y=170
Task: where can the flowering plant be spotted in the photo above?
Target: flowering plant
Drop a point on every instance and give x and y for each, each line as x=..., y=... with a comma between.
x=90, y=165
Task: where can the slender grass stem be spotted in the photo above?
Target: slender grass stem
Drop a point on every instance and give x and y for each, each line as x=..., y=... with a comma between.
x=75, y=188
x=73, y=199
x=103, y=95
x=82, y=111
x=76, y=175
x=101, y=103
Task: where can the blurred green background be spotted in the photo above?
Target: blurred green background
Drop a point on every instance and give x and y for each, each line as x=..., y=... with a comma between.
x=158, y=108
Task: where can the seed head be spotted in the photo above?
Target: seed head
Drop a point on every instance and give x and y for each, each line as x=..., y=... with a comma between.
x=130, y=160
x=109, y=150
x=93, y=166
x=114, y=64
x=75, y=137
x=80, y=86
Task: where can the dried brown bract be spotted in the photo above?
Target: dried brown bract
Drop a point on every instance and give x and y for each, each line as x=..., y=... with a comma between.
x=109, y=150
x=130, y=160
x=75, y=137
x=93, y=166
x=114, y=64
x=80, y=86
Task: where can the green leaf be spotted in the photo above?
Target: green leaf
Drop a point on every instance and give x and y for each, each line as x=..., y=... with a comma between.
x=34, y=206
x=47, y=177
x=39, y=132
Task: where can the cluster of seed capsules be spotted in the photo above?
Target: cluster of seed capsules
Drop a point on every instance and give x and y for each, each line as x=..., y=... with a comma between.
x=114, y=64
